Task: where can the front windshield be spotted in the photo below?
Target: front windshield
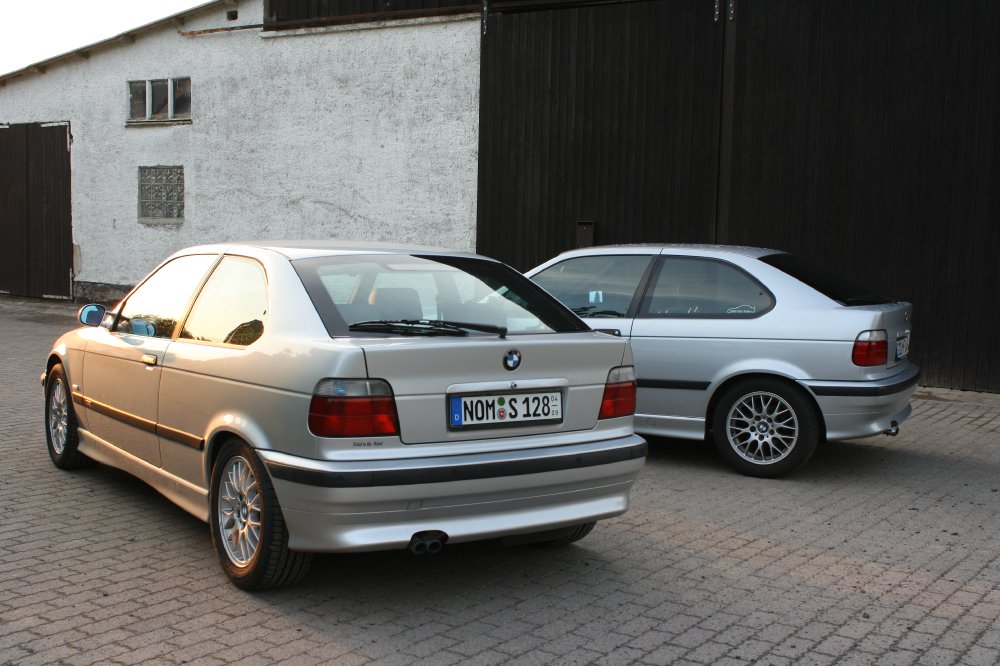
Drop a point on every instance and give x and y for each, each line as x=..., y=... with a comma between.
x=371, y=294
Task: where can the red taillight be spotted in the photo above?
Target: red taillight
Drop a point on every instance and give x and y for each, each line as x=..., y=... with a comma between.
x=619, y=393
x=353, y=408
x=871, y=348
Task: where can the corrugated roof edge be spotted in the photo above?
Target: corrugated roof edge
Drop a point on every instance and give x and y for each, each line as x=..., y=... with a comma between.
x=85, y=51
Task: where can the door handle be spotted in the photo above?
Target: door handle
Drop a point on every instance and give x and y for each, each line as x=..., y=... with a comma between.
x=148, y=359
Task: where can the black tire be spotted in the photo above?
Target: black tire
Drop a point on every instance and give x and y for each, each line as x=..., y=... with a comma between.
x=765, y=427
x=243, y=505
x=574, y=534
x=62, y=437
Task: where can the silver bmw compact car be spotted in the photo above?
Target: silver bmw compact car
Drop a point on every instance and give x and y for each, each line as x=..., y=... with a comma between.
x=762, y=352
x=304, y=397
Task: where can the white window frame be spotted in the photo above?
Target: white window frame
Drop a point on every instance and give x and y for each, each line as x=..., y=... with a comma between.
x=149, y=99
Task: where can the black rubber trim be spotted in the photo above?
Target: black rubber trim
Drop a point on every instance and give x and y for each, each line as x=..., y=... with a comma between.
x=118, y=415
x=145, y=425
x=865, y=391
x=490, y=470
x=672, y=384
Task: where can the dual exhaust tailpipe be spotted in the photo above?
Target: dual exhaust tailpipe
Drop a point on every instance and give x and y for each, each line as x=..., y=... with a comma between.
x=893, y=429
x=427, y=543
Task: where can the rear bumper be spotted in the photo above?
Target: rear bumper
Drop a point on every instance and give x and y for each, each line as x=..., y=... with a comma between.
x=861, y=409
x=377, y=505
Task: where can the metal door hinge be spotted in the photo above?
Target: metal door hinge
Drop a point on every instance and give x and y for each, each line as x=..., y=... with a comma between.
x=731, y=10
x=718, y=8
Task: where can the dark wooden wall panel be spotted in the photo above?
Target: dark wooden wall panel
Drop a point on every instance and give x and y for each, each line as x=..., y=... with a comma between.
x=13, y=210
x=50, y=252
x=290, y=14
x=865, y=138
x=604, y=113
x=36, y=244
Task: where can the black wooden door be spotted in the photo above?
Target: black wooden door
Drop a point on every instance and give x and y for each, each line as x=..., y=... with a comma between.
x=603, y=113
x=866, y=136
x=36, y=244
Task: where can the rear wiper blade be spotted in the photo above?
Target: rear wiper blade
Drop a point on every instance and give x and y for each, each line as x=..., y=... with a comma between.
x=406, y=327
x=501, y=331
x=426, y=327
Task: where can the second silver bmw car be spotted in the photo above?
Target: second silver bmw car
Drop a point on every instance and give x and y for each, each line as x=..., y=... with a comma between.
x=325, y=396
x=763, y=352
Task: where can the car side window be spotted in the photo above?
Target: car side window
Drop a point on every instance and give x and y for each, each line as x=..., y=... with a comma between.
x=231, y=307
x=154, y=308
x=693, y=287
x=595, y=286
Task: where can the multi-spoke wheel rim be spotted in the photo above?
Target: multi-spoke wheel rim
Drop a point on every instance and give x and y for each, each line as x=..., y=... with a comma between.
x=762, y=428
x=58, y=417
x=239, y=507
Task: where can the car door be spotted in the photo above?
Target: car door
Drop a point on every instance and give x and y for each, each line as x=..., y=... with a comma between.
x=698, y=315
x=210, y=367
x=602, y=289
x=122, y=365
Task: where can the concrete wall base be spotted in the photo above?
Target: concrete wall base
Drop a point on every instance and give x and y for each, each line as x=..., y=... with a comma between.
x=99, y=292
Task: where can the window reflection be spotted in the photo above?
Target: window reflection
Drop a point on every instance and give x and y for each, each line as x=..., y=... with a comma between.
x=159, y=110
x=599, y=286
x=155, y=307
x=231, y=307
x=690, y=287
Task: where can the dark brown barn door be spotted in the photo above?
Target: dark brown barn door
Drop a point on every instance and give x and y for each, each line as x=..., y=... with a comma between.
x=36, y=244
x=603, y=113
x=866, y=136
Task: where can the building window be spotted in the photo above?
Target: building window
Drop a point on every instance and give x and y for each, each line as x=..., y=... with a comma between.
x=159, y=100
x=161, y=194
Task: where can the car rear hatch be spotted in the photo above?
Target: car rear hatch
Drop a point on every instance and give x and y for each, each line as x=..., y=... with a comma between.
x=485, y=387
x=894, y=319
x=888, y=314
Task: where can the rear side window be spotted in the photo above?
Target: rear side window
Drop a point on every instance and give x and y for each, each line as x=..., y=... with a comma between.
x=153, y=309
x=351, y=289
x=595, y=286
x=836, y=287
x=692, y=287
x=231, y=307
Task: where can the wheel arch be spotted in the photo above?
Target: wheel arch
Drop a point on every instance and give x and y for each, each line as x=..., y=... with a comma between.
x=230, y=426
x=713, y=401
x=53, y=360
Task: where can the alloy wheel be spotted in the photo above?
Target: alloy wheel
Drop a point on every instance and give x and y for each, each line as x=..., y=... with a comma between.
x=762, y=428
x=239, y=509
x=58, y=417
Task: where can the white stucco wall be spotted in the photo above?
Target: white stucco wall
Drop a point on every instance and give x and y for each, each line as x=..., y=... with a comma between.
x=363, y=134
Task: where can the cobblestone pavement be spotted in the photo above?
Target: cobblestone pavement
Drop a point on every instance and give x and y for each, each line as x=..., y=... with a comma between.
x=879, y=551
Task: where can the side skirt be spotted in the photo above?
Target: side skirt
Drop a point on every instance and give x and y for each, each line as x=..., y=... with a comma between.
x=680, y=427
x=186, y=495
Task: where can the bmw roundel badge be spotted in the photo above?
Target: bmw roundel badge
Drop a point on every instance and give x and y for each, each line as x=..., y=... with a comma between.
x=512, y=359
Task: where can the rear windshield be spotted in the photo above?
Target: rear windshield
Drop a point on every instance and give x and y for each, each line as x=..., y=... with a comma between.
x=836, y=287
x=359, y=290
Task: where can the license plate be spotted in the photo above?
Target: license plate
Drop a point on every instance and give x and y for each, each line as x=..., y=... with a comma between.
x=503, y=409
x=902, y=346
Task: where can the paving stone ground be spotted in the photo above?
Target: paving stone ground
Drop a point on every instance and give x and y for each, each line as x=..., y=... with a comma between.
x=885, y=550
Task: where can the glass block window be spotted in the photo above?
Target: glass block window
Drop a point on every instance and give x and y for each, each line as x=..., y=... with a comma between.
x=159, y=100
x=161, y=193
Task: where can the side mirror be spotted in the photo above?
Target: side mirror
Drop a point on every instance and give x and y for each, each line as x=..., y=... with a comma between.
x=92, y=315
